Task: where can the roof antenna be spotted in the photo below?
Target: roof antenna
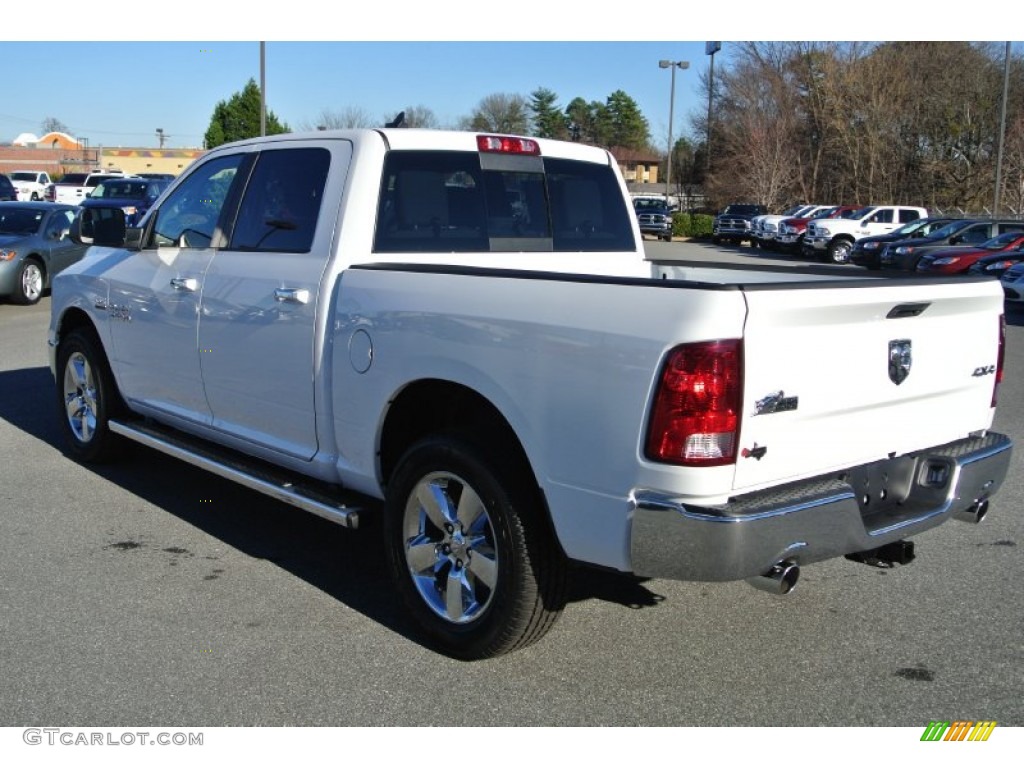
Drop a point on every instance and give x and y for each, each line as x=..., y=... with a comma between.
x=397, y=122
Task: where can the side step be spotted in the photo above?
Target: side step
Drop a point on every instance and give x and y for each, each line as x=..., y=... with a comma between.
x=337, y=506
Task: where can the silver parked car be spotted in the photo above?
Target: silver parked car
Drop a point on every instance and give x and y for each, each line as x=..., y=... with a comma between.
x=34, y=246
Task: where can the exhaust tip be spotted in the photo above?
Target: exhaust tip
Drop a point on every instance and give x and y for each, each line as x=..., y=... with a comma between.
x=974, y=513
x=780, y=579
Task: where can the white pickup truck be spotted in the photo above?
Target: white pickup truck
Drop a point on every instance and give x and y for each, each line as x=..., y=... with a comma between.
x=30, y=185
x=461, y=333
x=73, y=188
x=836, y=237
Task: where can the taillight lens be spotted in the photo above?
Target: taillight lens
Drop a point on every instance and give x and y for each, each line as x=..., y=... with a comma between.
x=695, y=420
x=1000, y=359
x=509, y=145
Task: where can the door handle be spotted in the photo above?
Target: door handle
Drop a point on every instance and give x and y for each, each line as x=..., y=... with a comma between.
x=184, y=283
x=292, y=295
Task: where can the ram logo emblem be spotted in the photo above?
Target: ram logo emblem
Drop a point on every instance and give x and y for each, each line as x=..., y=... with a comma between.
x=900, y=360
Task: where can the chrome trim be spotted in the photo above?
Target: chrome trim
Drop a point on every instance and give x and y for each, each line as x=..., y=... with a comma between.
x=185, y=284
x=346, y=516
x=292, y=295
x=815, y=519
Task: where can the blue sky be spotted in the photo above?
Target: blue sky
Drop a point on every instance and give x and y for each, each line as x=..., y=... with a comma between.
x=119, y=93
x=175, y=85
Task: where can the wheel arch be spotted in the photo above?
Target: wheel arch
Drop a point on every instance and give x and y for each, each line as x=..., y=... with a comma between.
x=437, y=406
x=432, y=406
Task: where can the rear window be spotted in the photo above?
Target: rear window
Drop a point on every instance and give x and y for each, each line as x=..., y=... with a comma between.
x=443, y=202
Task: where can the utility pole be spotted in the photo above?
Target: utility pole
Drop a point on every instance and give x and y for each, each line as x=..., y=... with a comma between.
x=1002, y=132
x=263, y=88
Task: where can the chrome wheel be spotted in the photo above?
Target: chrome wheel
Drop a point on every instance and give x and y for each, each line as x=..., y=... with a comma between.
x=30, y=282
x=478, y=568
x=840, y=252
x=450, y=547
x=80, y=397
x=86, y=397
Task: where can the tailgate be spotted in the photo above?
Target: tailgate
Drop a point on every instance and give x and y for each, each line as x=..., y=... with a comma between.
x=820, y=394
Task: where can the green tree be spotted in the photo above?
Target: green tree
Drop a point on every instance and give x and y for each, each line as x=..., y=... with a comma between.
x=548, y=121
x=239, y=118
x=587, y=121
x=625, y=124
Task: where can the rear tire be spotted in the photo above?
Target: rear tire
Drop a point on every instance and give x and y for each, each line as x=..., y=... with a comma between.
x=469, y=551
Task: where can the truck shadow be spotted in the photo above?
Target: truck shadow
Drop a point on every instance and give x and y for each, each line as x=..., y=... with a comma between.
x=348, y=565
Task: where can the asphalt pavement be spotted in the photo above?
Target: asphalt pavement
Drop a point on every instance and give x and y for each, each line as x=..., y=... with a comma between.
x=151, y=592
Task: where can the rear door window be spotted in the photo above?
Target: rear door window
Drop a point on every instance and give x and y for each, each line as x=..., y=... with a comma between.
x=281, y=204
x=442, y=202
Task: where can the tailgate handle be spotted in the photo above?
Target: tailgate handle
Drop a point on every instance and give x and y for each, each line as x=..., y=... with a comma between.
x=907, y=310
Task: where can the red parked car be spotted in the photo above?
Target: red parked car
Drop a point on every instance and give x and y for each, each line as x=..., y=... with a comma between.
x=957, y=260
x=792, y=230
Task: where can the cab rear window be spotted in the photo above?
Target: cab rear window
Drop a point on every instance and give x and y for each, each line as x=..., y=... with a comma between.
x=442, y=202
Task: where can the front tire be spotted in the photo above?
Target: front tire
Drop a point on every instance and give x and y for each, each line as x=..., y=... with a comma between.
x=28, y=288
x=468, y=549
x=86, y=398
x=839, y=251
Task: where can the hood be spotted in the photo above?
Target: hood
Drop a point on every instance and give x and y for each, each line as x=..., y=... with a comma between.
x=6, y=241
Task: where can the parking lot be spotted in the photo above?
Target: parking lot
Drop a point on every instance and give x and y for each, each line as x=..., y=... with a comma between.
x=151, y=592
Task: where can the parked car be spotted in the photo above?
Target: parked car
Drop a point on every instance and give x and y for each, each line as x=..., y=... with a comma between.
x=792, y=230
x=733, y=223
x=867, y=250
x=765, y=228
x=1013, y=283
x=134, y=195
x=907, y=253
x=34, y=247
x=997, y=264
x=653, y=216
x=957, y=259
x=7, y=190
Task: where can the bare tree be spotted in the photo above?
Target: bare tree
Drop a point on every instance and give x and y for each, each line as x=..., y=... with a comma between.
x=347, y=117
x=53, y=125
x=501, y=113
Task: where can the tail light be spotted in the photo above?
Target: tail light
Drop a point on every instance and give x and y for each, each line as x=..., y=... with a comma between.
x=509, y=145
x=1000, y=360
x=695, y=420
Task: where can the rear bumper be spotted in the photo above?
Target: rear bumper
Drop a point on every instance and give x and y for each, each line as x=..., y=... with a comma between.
x=816, y=519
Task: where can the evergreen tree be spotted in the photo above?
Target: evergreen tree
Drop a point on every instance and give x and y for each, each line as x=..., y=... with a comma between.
x=626, y=126
x=239, y=118
x=548, y=121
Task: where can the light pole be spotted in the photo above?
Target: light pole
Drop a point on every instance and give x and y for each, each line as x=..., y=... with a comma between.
x=710, y=49
x=666, y=64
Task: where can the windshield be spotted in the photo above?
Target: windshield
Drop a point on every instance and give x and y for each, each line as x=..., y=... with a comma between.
x=825, y=214
x=20, y=221
x=128, y=190
x=999, y=242
x=647, y=204
x=860, y=213
x=24, y=176
x=911, y=226
x=950, y=229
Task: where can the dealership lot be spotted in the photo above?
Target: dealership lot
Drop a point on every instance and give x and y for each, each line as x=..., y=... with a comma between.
x=151, y=592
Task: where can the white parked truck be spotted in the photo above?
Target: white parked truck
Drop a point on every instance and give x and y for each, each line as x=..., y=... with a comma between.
x=835, y=237
x=30, y=185
x=460, y=332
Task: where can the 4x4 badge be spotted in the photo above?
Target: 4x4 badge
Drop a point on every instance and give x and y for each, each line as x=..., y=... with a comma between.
x=899, y=360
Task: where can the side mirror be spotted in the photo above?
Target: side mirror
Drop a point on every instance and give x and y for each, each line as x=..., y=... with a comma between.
x=99, y=226
x=955, y=239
